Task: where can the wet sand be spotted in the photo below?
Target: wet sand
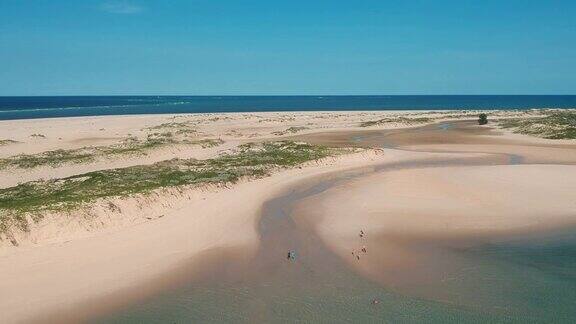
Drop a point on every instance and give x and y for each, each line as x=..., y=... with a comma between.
x=460, y=137
x=403, y=262
x=148, y=259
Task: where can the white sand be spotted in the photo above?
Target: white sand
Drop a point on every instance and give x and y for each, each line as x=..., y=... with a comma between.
x=57, y=276
x=435, y=204
x=65, y=262
x=233, y=129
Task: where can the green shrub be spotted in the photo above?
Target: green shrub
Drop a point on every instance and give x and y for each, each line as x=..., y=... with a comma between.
x=482, y=119
x=251, y=160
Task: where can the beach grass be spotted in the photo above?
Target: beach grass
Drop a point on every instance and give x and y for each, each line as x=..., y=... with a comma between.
x=291, y=130
x=7, y=142
x=52, y=158
x=130, y=145
x=552, y=125
x=400, y=119
x=180, y=128
x=249, y=160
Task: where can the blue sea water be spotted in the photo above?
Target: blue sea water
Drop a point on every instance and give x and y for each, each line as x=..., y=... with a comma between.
x=69, y=106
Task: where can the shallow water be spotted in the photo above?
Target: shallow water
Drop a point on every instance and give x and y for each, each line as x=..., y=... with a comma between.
x=520, y=279
x=533, y=277
x=508, y=282
x=496, y=283
x=316, y=287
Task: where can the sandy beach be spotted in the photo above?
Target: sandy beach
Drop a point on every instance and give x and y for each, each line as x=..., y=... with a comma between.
x=413, y=184
x=282, y=162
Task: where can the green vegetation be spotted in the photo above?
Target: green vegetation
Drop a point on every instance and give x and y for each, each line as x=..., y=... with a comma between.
x=7, y=142
x=171, y=125
x=251, y=160
x=206, y=143
x=178, y=127
x=554, y=125
x=291, y=130
x=52, y=158
x=131, y=145
x=401, y=120
x=482, y=119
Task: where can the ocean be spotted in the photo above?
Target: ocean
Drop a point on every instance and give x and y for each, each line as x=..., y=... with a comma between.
x=71, y=106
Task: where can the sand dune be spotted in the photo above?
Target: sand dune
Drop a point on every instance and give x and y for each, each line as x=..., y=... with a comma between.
x=464, y=189
x=59, y=276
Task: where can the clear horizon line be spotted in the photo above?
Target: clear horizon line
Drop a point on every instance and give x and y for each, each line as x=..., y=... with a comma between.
x=279, y=95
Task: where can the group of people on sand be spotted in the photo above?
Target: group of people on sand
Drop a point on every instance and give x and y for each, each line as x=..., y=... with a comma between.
x=363, y=250
x=374, y=301
x=291, y=256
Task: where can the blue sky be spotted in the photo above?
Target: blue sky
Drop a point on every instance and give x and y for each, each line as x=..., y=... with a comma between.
x=197, y=47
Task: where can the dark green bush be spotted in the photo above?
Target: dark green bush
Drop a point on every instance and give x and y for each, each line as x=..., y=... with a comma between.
x=482, y=119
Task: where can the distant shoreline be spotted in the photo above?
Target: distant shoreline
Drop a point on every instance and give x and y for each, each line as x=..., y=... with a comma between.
x=12, y=108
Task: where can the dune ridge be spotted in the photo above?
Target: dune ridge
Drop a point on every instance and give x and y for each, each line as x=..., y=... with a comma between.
x=68, y=265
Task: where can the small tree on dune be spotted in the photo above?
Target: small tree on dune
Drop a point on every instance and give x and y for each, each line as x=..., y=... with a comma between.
x=482, y=119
